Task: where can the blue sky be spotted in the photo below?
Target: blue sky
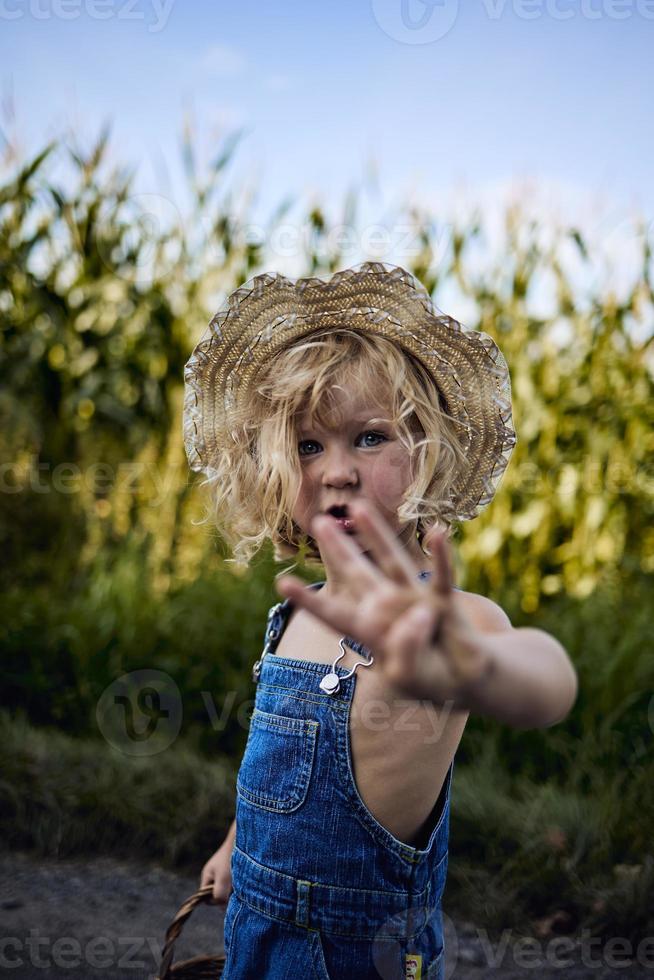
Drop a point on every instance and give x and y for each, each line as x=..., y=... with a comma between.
x=331, y=94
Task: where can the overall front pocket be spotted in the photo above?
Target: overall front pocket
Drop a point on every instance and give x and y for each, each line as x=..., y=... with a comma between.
x=276, y=768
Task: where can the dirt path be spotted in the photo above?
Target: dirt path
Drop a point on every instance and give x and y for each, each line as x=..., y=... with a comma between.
x=103, y=918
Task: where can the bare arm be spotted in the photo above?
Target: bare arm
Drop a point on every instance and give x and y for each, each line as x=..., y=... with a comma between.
x=527, y=681
x=524, y=676
x=429, y=641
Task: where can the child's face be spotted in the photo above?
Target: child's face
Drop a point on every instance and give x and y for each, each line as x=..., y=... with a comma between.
x=353, y=460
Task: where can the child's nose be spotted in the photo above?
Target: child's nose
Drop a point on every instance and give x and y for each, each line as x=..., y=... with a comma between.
x=339, y=467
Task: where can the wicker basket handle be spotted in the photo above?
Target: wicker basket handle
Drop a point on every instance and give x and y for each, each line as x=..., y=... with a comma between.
x=175, y=928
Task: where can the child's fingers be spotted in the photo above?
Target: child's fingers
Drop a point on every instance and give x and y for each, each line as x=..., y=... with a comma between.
x=293, y=588
x=338, y=612
x=344, y=552
x=378, y=538
x=443, y=578
x=290, y=587
x=407, y=640
x=221, y=892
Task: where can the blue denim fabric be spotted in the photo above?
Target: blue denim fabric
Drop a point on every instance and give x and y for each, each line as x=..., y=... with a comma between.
x=320, y=888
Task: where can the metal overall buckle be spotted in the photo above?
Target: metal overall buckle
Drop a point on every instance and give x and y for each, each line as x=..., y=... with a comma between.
x=256, y=669
x=331, y=682
x=271, y=635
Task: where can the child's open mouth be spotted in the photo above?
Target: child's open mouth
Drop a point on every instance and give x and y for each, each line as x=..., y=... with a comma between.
x=340, y=516
x=346, y=524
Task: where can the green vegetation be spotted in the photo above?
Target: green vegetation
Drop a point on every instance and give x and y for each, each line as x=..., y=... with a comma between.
x=62, y=796
x=105, y=571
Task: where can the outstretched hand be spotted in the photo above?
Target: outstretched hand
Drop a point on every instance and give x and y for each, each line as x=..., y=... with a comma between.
x=419, y=637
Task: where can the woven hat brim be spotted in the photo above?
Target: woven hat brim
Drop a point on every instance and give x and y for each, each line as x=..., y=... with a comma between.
x=271, y=311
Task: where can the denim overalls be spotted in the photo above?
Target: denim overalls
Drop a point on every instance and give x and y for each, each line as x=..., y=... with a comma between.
x=320, y=888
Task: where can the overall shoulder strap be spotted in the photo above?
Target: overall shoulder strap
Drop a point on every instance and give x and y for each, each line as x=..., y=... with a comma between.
x=278, y=616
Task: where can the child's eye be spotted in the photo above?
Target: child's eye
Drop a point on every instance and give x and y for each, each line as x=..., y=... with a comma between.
x=375, y=435
x=305, y=450
x=306, y=442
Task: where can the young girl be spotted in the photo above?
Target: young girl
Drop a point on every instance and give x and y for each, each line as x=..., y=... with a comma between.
x=349, y=421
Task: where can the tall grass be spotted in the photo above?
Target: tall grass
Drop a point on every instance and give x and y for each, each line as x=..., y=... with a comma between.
x=105, y=571
x=61, y=796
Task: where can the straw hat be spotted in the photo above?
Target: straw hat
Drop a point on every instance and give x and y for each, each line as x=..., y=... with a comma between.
x=270, y=312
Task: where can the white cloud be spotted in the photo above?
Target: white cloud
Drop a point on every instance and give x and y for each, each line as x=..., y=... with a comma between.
x=223, y=60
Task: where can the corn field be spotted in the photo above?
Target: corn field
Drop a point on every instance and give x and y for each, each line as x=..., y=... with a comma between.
x=105, y=570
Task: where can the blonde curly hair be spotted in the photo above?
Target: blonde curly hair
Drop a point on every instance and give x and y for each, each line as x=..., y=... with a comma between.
x=255, y=481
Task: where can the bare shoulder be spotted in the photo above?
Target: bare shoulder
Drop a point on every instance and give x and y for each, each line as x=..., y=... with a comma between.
x=487, y=615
